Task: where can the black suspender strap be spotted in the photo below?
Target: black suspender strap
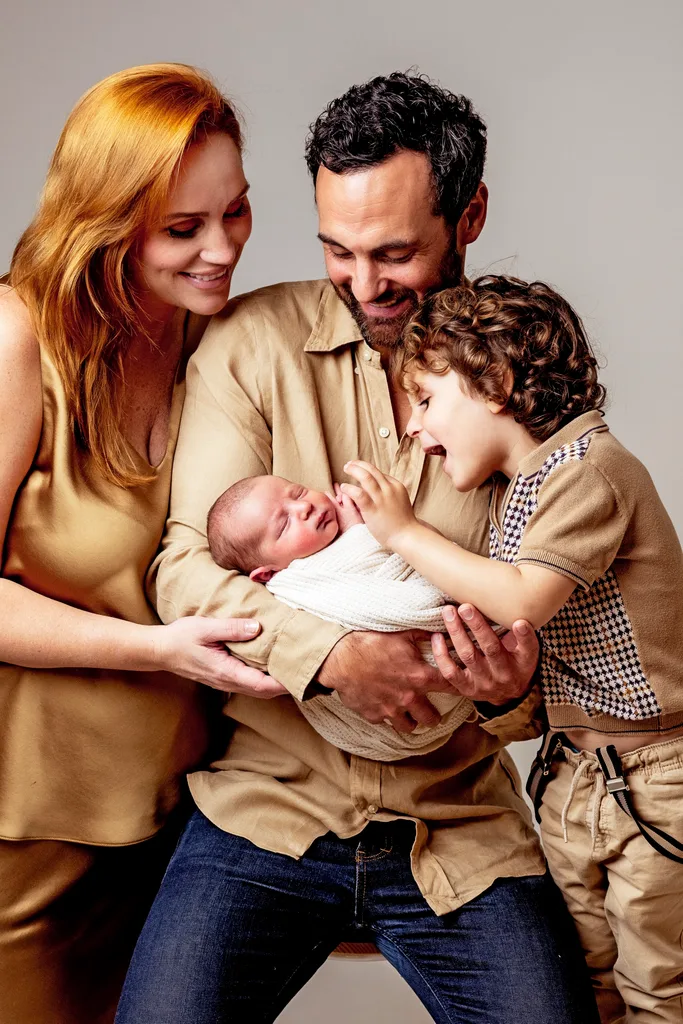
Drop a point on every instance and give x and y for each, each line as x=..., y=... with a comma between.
x=539, y=776
x=610, y=763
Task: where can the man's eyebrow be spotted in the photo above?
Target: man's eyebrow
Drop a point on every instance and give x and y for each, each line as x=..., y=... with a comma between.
x=392, y=243
x=205, y=213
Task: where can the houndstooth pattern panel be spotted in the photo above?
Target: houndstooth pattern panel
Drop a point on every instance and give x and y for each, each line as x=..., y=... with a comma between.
x=589, y=655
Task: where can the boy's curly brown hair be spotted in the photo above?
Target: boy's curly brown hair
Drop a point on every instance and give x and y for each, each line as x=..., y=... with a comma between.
x=516, y=343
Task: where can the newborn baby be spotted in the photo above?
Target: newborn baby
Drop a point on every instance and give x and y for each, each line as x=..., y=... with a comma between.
x=314, y=553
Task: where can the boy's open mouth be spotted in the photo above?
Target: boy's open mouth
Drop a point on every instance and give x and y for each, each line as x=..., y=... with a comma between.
x=436, y=449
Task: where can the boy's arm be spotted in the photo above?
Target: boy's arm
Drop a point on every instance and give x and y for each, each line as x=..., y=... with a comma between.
x=571, y=539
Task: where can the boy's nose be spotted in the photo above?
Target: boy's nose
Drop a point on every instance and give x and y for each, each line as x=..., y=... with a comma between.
x=413, y=427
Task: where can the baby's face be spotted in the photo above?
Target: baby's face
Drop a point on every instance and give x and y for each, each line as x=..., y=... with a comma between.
x=291, y=521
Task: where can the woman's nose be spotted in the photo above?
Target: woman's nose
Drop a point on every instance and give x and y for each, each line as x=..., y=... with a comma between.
x=219, y=248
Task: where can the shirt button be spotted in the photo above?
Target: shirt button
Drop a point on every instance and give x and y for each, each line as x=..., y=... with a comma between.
x=372, y=808
x=368, y=357
x=384, y=431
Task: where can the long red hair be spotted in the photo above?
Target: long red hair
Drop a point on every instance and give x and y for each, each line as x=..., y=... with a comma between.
x=110, y=177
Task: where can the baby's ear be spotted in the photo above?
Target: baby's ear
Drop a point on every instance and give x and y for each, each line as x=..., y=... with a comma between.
x=262, y=574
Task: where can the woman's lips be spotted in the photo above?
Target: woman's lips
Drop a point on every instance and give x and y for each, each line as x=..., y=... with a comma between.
x=208, y=282
x=436, y=449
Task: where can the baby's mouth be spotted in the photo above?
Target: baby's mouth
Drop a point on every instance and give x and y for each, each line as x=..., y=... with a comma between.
x=323, y=519
x=436, y=449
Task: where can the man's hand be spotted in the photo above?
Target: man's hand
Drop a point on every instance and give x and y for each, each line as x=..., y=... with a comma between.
x=383, y=501
x=383, y=677
x=497, y=670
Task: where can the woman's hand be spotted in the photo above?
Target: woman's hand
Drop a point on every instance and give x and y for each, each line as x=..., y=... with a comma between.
x=194, y=647
x=383, y=501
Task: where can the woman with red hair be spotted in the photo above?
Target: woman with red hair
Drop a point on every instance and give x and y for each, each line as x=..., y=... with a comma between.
x=142, y=221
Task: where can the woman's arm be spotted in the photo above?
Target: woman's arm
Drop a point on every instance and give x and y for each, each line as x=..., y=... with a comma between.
x=503, y=592
x=38, y=632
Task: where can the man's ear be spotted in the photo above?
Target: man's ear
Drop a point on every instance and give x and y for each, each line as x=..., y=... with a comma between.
x=473, y=219
x=262, y=574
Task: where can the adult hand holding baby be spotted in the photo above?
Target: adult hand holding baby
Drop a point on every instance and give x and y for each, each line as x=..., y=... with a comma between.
x=194, y=647
x=496, y=670
x=383, y=677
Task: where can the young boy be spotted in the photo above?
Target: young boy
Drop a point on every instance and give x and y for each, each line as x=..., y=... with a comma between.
x=313, y=552
x=503, y=384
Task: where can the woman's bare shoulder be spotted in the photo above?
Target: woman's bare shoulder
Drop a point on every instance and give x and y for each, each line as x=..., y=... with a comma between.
x=19, y=349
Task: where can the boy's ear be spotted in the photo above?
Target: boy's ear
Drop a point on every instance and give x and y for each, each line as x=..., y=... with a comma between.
x=508, y=384
x=262, y=574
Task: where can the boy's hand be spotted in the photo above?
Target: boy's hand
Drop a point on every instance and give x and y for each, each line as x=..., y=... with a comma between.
x=383, y=502
x=347, y=513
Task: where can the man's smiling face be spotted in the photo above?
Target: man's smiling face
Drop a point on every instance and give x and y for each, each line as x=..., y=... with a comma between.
x=385, y=249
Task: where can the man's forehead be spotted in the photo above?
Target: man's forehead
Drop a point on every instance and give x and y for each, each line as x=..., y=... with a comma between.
x=384, y=200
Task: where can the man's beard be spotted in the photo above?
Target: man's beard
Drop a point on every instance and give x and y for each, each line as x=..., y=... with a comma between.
x=386, y=332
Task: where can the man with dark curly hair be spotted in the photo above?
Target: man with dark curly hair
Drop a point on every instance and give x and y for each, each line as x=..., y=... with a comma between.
x=298, y=845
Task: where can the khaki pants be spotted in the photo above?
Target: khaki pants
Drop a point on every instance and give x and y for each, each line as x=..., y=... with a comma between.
x=626, y=899
x=69, y=919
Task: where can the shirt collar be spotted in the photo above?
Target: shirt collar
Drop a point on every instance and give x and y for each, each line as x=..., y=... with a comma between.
x=577, y=428
x=334, y=326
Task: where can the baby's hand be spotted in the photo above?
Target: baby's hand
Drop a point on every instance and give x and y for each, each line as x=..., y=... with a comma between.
x=347, y=513
x=383, y=501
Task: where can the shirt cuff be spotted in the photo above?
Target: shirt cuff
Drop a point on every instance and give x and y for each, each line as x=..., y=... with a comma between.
x=519, y=717
x=296, y=657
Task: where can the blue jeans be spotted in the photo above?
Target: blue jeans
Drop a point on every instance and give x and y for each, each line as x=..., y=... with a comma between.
x=236, y=931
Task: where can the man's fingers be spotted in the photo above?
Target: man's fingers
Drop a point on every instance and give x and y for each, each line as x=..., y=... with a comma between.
x=526, y=644
x=400, y=722
x=462, y=642
x=423, y=712
x=455, y=677
x=488, y=642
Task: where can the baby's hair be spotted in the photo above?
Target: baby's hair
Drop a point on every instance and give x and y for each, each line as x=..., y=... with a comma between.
x=516, y=343
x=231, y=545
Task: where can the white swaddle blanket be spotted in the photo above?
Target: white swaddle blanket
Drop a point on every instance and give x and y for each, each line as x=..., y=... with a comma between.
x=359, y=584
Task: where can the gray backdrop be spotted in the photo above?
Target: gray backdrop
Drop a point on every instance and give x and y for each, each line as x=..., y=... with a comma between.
x=583, y=103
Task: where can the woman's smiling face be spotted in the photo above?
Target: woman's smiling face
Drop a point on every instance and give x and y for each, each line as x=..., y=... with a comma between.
x=187, y=259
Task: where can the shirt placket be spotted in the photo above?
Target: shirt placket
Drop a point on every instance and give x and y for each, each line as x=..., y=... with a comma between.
x=404, y=459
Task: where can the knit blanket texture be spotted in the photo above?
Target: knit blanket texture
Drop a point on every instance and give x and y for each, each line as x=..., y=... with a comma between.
x=359, y=584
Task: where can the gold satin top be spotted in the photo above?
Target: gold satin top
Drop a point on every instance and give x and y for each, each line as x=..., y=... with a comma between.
x=91, y=756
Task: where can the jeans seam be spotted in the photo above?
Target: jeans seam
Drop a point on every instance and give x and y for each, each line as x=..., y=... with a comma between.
x=418, y=970
x=292, y=974
x=359, y=901
x=377, y=856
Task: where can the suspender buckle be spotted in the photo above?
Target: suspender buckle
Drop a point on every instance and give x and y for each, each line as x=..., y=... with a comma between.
x=616, y=785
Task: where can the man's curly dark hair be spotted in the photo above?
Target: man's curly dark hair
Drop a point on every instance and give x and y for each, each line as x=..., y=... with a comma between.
x=518, y=344
x=371, y=122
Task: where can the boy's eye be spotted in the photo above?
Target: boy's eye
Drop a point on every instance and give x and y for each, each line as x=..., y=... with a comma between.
x=424, y=403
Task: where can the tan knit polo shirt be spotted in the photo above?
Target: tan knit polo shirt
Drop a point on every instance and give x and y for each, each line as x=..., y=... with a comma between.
x=584, y=506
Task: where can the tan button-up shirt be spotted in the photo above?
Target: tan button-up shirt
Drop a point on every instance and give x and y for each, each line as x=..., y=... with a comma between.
x=283, y=383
